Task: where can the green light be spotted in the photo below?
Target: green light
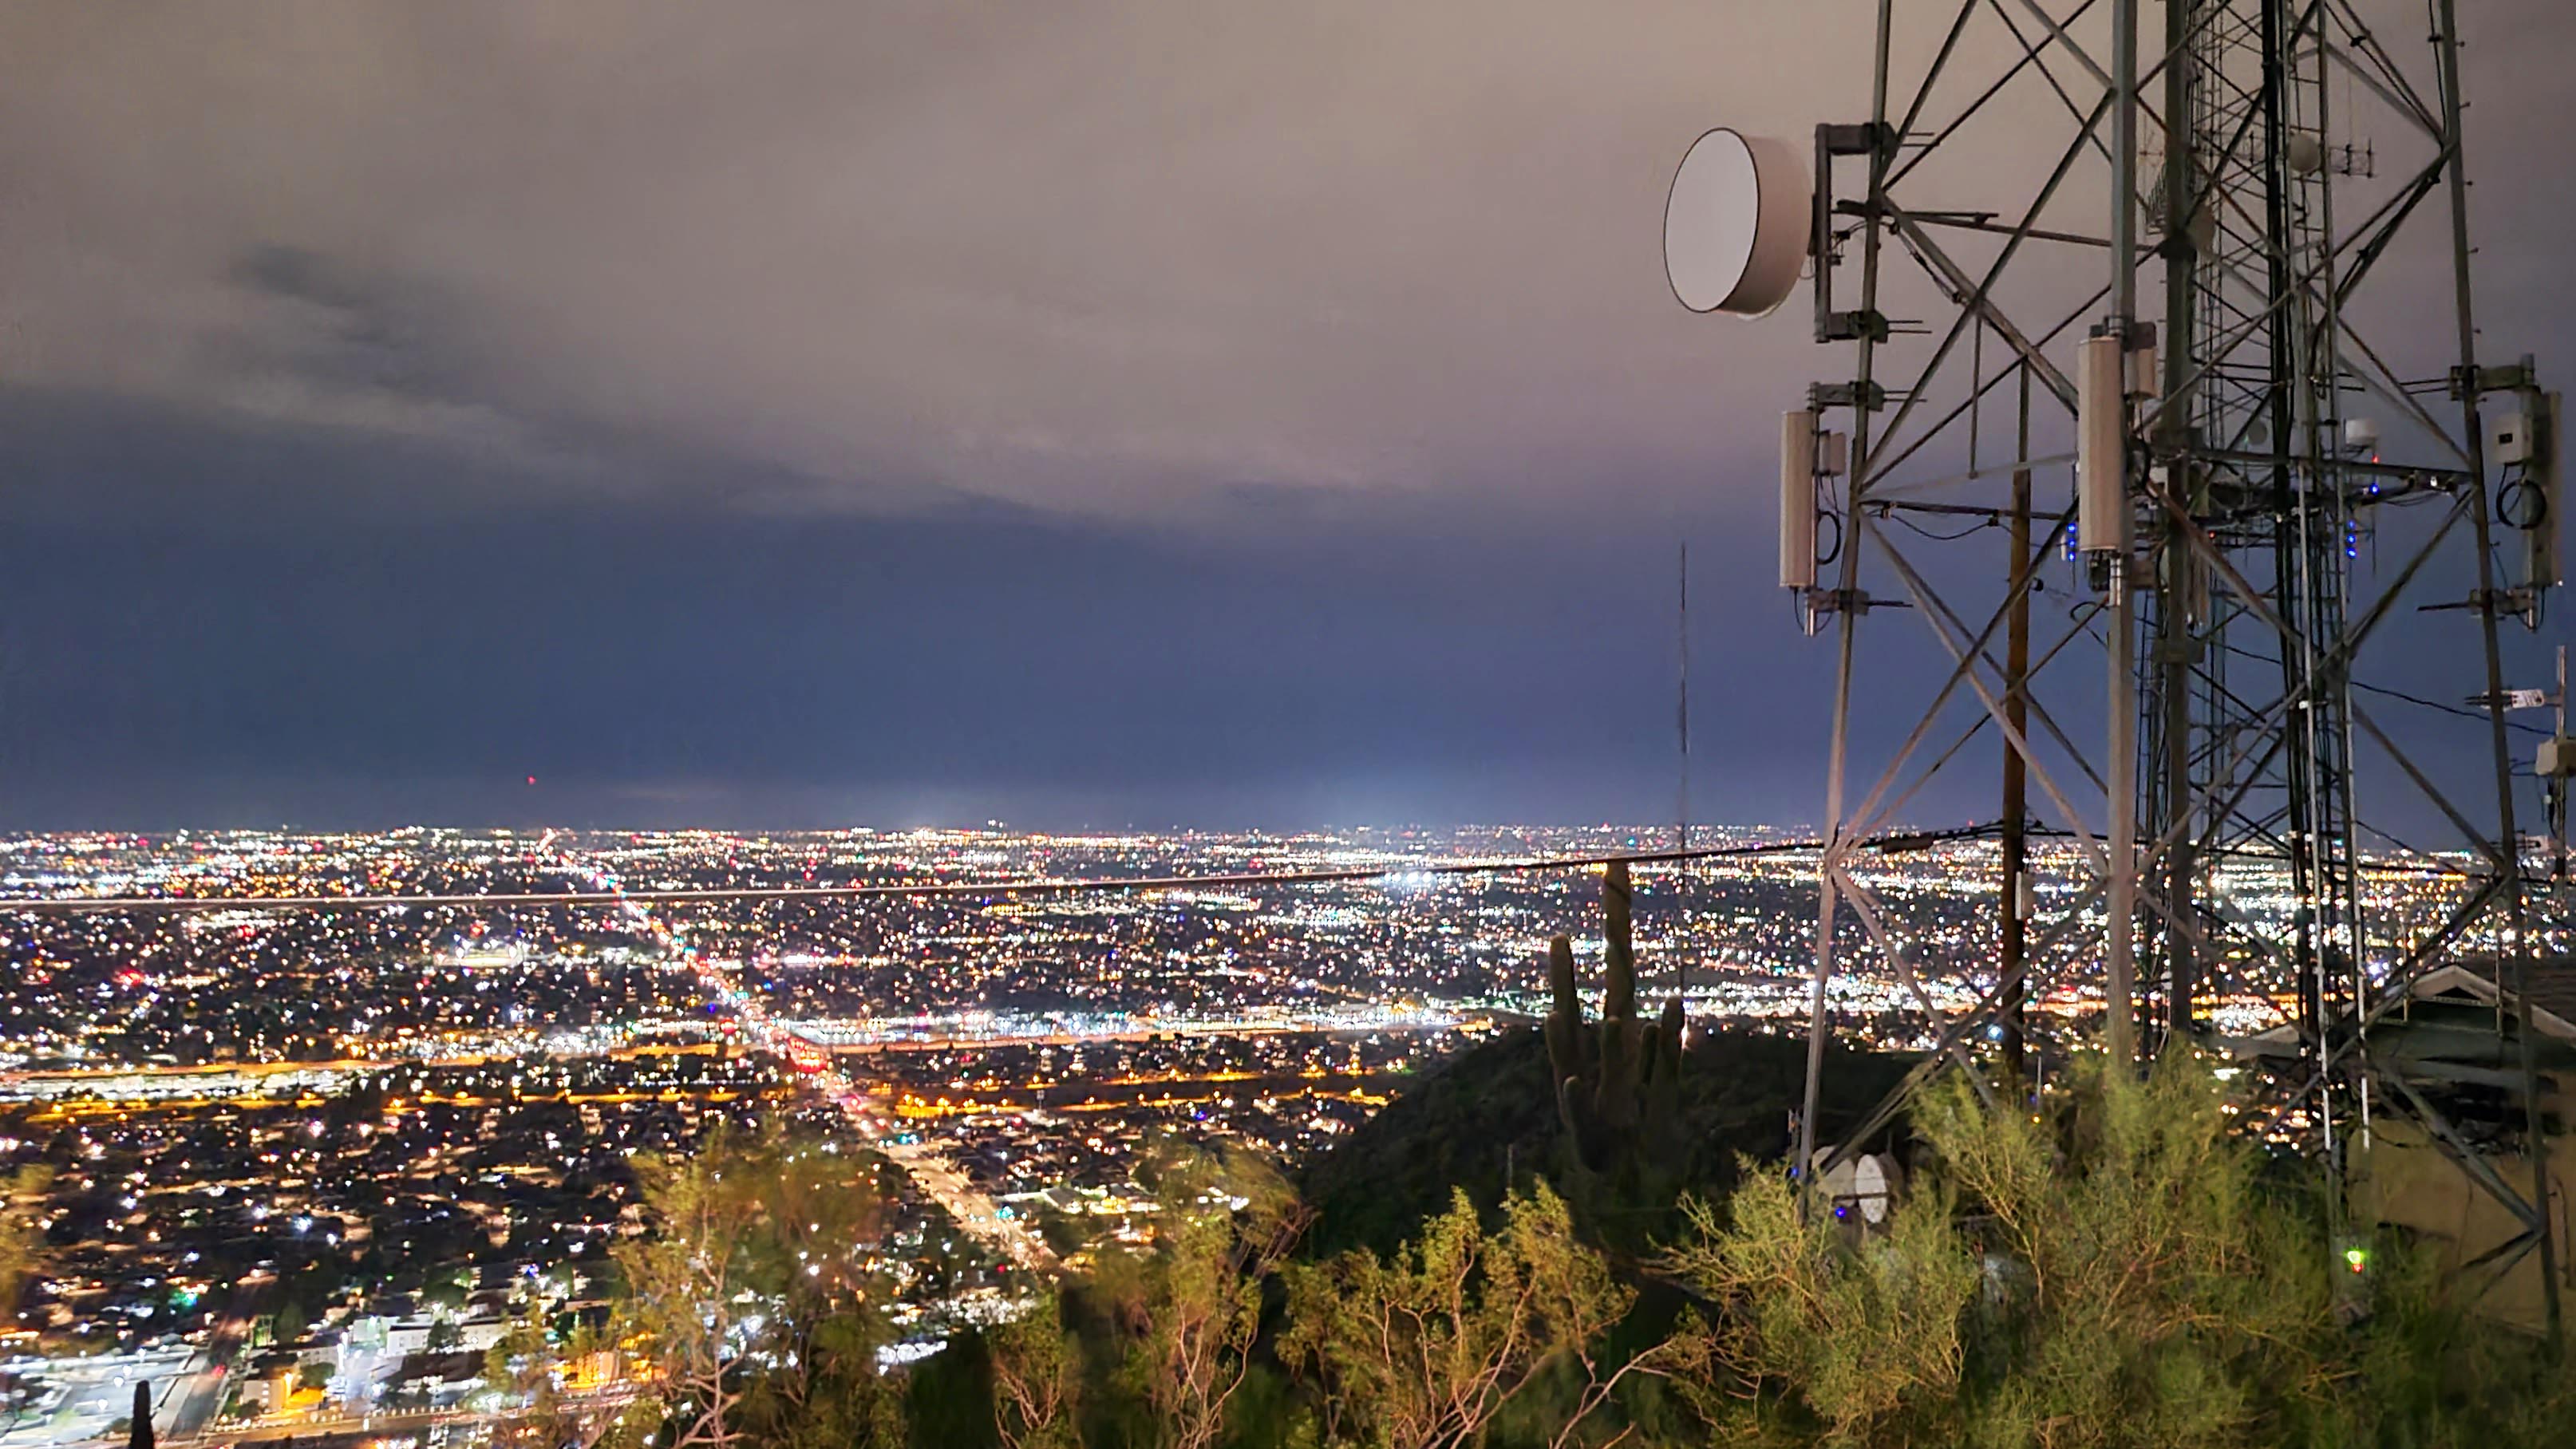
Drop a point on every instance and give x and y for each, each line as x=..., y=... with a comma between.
x=2356, y=1259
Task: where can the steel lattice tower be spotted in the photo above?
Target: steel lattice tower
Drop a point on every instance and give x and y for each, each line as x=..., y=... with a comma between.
x=2159, y=257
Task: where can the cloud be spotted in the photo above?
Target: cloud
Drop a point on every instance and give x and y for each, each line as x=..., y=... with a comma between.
x=1088, y=254
x=1096, y=255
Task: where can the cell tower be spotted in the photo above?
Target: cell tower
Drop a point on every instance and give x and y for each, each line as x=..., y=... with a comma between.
x=2123, y=294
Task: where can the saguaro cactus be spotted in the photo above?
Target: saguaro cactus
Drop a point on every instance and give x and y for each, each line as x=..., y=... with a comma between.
x=1618, y=1081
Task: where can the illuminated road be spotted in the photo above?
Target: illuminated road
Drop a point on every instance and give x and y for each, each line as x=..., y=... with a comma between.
x=929, y=1166
x=839, y=1039
x=319, y=1429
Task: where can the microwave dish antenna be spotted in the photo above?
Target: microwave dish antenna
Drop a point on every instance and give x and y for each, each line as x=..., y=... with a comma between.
x=1736, y=224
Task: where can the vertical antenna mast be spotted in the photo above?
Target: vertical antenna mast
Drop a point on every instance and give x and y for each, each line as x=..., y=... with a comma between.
x=1681, y=816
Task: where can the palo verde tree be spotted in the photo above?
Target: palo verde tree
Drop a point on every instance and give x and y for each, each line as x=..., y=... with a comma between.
x=1423, y=1350
x=1037, y=1379
x=532, y=1366
x=1812, y=1332
x=746, y=1294
x=1187, y=1310
x=22, y=1218
x=2121, y=1270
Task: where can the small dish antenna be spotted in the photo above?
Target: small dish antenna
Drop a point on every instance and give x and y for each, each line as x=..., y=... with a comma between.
x=1872, y=1187
x=1736, y=224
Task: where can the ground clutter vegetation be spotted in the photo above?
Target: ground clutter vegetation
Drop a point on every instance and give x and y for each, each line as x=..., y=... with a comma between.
x=2115, y=1268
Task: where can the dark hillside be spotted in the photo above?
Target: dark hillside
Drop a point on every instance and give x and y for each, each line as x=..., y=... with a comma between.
x=1495, y=1104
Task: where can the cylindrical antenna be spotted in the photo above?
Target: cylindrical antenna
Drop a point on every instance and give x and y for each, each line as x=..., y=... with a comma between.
x=1798, y=499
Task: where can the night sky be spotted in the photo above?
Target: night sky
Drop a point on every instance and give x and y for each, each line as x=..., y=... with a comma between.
x=887, y=413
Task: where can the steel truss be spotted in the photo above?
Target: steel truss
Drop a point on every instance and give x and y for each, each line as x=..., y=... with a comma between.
x=2231, y=621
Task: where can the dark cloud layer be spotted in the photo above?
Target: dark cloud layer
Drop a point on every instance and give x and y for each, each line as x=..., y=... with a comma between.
x=918, y=409
x=675, y=657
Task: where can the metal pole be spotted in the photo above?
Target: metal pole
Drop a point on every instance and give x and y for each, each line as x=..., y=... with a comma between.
x=2328, y=350
x=2516, y=960
x=2119, y=985
x=2015, y=1009
x=2285, y=402
x=1681, y=723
